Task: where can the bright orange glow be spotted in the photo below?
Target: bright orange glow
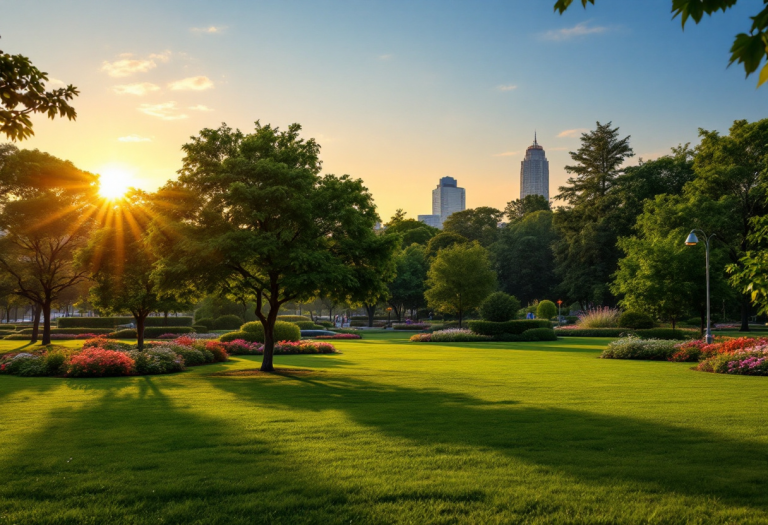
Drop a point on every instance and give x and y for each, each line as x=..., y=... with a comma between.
x=114, y=182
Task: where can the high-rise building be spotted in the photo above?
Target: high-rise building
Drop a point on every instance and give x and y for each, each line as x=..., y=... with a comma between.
x=447, y=198
x=534, y=172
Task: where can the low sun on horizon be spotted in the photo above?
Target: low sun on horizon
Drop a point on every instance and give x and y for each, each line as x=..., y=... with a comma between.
x=114, y=182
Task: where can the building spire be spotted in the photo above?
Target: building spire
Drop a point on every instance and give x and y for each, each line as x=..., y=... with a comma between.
x=535, y=143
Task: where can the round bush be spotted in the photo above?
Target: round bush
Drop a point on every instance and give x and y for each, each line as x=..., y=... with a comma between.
x=208, y=323
x=227, y=322
x=546, y=310
x=283, y=331
x=156, y=360
x=234, y=336
x=499, y=307
x=635, y=320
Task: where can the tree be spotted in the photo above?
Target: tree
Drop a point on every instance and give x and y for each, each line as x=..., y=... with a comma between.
x=459, y=279
x=409, y=230
x=253, y=216
x=46, y=210
x=523, y=257
x=499, y=307
x=22, y=93
x=751, y=275
x=586, y=254
x=748, y=49
x=478, y=224
x=519, y=208
x=443, y=240
x=546, y=310
x=406, y=291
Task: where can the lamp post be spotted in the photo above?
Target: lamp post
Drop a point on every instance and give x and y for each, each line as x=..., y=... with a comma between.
x=559, y=317
x=692, y=240
x=389, y=311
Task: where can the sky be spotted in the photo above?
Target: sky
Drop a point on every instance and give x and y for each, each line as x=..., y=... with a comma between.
x=397, y=93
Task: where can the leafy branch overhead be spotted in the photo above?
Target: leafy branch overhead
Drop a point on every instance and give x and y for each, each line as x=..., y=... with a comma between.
x=22, y=93
x=748, y=49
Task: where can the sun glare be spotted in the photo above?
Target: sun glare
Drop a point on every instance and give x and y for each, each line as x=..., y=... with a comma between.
x=114, y=182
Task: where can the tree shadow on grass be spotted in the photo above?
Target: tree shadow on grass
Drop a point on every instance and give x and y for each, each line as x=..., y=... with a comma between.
x=597, y=448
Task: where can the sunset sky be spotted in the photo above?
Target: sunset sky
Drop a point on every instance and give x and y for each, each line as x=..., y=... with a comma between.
x=398, y=93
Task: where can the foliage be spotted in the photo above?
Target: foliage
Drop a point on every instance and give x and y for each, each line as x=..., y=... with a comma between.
x=293, y=318
x=635, y=348
x=508, y=327
x=410, y=231
x=255, y=220
x=207, y=322
x=243, y=347
x=98, y=362
x=238, y=335
x=127, y=333
x=113, y=322
x=459, y=279
x=443, y=240
x=409, y=326
x=227, y=322
x=518, y=209
x=213, y=306
x=546, y=310
x=23, y=364
x=653, y=333
x=599, y=318
x=745, y=362
x=254, y=332
x=751, y=276
x=748, y=49
x=307, y=325
x=406, y=290
x=22, y=93
x=635, y=320
x=107, y=344
x=191, y=356
x=539, y=334
x=499, y=307
x=452, y=335
x=479, y=224
x=156, y=360
x=218, y=350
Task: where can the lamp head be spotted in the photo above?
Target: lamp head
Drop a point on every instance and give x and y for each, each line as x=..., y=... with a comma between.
x=692, y=240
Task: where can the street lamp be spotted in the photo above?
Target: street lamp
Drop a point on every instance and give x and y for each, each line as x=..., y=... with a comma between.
x=692, y=240
x=389, y=311
x=559, y=317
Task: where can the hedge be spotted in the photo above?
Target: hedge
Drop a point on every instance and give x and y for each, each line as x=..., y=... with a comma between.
x=653, y=333
x=508, y=327
x=305, y=325
x=76, y=331
x=293, y=318
x=156, y=331
x=127, y=333
x=113, y=322
x=11, y=327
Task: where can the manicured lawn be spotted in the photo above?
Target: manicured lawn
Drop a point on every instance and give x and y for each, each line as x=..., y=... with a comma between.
x=391, y=431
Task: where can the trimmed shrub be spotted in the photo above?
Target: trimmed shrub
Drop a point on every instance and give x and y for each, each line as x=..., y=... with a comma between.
x=327, y=324
x=97, y=362
x=157, y=331
x=227, y=322
x=509, y=327
x=499, y=307
x=635, y=320
x=539, y=334
x=200, y=328
x=75, y=331
x=127, y=333
x=113, y=322
x=453, y=335
x=11, y=327
x=156, y=360
x=293, y=318
x=307, y=325
x=207, y=322
x=546, y=310
x=284, y=331
x=635, y=348
x=249, y=337
x=411, y=326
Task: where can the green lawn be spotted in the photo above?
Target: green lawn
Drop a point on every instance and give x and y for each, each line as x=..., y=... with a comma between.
x=391, y=431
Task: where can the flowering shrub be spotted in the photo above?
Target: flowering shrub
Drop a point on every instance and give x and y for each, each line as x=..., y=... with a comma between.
x=421, y=338
x=240, y=347
x=107, y=344
x=168, y=336
x=156, y=360
x=98, y=362
x=452, y=335
x=633, y=347
x=599, y=318
x=338, y=336
x=752, y=361
x=218, y=350
x=23, y=364
x=192, y=356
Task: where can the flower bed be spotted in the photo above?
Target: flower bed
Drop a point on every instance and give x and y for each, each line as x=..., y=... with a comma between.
x=633, y=347
x=452, y=335
x=243, y=347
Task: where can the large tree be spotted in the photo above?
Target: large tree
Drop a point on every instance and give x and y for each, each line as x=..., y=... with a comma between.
x=410, y=231
x=749, y=49
x=477, y=224
x=252, y=215
x=519, y=208
x=459, y=279
x=406, y=291
x=46, y=211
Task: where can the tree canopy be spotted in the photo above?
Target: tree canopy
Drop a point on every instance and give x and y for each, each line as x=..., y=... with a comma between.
x=477, y=224
x=519, y=208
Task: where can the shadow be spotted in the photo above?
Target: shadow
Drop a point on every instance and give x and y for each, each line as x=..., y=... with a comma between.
x=595, y=448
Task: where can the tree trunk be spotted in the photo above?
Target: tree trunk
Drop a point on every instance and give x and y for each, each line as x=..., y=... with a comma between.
x=745, y=307
x=165, y=320
x=35, y=322
x=140, y=321
x=47, y=323
x=371, y=311
x=267, y=361
x=673, y=322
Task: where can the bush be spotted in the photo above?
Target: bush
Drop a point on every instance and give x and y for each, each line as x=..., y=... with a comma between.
x=207, y=322
x=75, y=331
x=327, y=324
x=667, y=333
x=11, y=327
x=127, y=333
x=753, y=362
x=156, y=331
x=113, y=322
x=218, y=350
x=97, y=362
x=635, y=348
x=200, y=328
x=284, y=331
x=546, y=310
x=599, y=318
x=229, y=337
x=453, y=335
x=242, y=347
x=411, y=326
x=107, y=344
x=499, y=307
x=191, y=356
x=509, y=327
x=56, y=358
x=227, y=322
x=156, y=360
x=539, y=334
x=308, y=325
x=635, y=320
x=24, y=364
x=293, y=318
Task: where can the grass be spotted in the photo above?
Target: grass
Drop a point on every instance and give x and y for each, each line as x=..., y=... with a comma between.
x=391, y=432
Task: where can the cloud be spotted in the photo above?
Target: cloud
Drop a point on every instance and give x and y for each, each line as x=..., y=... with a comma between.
x=506, y=154
x=55, y=81
x=200, y=107
x=210, y=30
x=134, y=138
x=141, y=88
x=507, y=87
x=572, y=132
x=386, y=57
x=129, y=65
x=191, y=84
x=566, y=33
x=165, y=111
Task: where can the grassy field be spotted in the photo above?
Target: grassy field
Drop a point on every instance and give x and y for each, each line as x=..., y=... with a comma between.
x=391, y=432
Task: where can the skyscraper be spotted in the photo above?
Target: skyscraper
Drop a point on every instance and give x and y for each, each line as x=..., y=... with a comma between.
x=534, y=172
x=447, y=198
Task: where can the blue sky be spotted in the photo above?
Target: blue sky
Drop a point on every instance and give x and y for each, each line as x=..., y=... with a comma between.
x=397, y=93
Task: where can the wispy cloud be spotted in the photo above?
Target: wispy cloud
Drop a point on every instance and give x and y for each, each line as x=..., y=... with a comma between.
x=55, y=81
x=580, y=29
x=507, y=87
x=506, y=154
x=386, y=57
x=140, y=88
x=191, y=84
x=134, y=138
x=210, y=30
x=165, y=111
x=572, y=132
x=128, y=65
x=200, y=107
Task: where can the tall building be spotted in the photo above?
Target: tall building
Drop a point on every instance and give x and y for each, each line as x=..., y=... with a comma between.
x=534, y=172
x=447, y=198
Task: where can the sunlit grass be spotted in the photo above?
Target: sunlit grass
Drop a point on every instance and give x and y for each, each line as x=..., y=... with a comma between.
x=390, y=431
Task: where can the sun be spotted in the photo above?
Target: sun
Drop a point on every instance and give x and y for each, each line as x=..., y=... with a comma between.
x=114, y=182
